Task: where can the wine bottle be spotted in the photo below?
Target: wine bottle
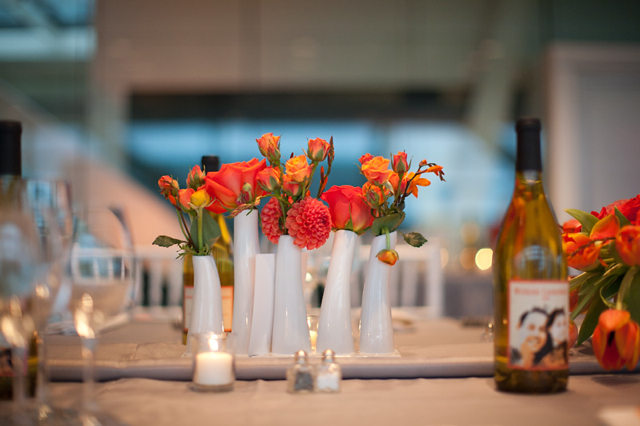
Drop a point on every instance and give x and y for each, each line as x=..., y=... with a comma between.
x=10, y=171
x=223, y=254
x=530, y=282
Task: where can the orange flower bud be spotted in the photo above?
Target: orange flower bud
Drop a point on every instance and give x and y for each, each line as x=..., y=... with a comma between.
x=628, y=245
x=616, y=340
x=400, y=164
x=168, y=188
x=318, y=149
x=374, y=195
x=293, y=188
x=390, y=257
x=199, y=199
x=298, y=169
x=195, y=178
x=269, y=146
x=184, y=198
x=269, y=179
x=365, y=158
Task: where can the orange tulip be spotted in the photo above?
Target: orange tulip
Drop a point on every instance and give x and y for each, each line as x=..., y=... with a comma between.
x=377, y=170
x=390, y=257
x=582, y=252
x=573, y=333
x=628, y=245
x=607, y=227
x=298, y=169
x=571, y=226
x=318, y=149
x=616, y=340
x=348, y=209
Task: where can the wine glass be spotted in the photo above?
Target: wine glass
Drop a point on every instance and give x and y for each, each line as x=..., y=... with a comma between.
x=19, y=257
x=102, y=271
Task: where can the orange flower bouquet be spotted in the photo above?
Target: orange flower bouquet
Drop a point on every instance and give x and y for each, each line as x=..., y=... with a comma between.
x=387, y=189
x=192, y=202
x=605, y=246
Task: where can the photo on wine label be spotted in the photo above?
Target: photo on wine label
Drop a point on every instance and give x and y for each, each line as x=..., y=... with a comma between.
x=538, y=327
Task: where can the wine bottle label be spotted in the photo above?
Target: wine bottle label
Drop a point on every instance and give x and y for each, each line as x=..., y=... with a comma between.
x=187, y=302
x=538, y=324
x=227, y=307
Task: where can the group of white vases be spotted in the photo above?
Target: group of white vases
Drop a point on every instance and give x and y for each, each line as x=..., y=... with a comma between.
x=290, y=331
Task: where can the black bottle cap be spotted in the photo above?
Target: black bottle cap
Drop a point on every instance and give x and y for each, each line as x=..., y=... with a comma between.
x=211, y=163
x=10, y=151
x=528, y=132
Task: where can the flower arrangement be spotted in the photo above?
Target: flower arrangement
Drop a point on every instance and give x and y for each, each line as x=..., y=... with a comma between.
x=386, y=191
x=291, y=210
x=202, y=231
x=605, y=246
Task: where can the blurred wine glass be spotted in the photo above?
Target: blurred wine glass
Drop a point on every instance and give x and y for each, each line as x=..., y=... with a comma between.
x=102, y=271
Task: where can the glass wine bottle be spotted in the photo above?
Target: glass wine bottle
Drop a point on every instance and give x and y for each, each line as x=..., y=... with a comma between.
x=223, y=254
x=10, y=171
x=530, y=282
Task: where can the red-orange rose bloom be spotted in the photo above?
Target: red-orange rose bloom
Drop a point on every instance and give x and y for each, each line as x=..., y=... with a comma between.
x=365, y=158
x=168, y=188
x=348, y=209
x=616, y=340
x=628, y=245
x=270, y=216
x=269, y=179
x=377, y=170
x=318, y=149
x=269, y=146
x=298, y=169
x=309, y=223
x=228, y=187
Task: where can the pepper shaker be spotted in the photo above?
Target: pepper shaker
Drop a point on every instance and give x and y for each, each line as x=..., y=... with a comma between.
x=300, y=376
x=329, y=373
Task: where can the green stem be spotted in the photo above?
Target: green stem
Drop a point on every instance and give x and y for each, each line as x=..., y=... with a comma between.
x=200, y=230
x=386, y=231
x=186, y=234
x=624, y=287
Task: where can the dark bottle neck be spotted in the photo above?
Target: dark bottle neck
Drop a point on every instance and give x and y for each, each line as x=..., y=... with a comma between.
x=10, y=151
x=528, y=156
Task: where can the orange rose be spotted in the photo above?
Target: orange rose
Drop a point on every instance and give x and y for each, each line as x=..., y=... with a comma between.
x=293, y=188
x=377, y=170
x=318, y=149
x=184, y=197
x=234, y=185
x=269, y=179
x=616, y=340
x=374, y=196
x=400, y=164
x=365, y=158
x=168, y=188
x=298, y=169
x=348, y=209
x=628, y=245
x=269, y=146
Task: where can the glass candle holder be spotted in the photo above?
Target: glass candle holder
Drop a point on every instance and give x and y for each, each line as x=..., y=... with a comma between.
x=213, y=362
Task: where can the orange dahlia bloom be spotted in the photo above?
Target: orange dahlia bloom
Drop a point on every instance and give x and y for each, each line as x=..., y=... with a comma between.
x=309, y=223
x=270, y=216
x=616, y=340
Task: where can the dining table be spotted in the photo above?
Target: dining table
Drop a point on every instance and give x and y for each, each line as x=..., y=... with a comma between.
x=442, y=374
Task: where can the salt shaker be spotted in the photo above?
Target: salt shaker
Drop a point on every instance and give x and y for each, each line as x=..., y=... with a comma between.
x=300, y=376
x=329, y=374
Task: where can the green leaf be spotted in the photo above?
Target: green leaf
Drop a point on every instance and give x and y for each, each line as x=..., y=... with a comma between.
x=581, y=279
x=591, y=320
x=633, y=299
x=623, y=220
x=414, y=239
x=391, y=222
x=210, y=231
x=165, y=241
x=587, y=220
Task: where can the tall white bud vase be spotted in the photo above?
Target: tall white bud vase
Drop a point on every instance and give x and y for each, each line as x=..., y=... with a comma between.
x=290, y=329
x=246, y=246
x=334, y=325
x=376, y=328
x=206, y=312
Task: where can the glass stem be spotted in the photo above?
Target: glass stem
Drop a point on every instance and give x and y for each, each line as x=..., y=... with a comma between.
x=18, y=359
x=88, y=387
x=42, y=378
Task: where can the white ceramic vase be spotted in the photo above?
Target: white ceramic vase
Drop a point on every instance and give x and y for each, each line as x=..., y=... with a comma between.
x=334, y=325
x=206, y=311
x=290, y=329
x=376, y=328
x=246, y=246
